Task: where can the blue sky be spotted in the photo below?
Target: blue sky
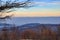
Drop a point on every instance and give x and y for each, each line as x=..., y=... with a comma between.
x=47, y=0
x=41, y=8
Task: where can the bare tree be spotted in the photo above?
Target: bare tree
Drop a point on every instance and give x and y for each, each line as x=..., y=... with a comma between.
x=5, y=6
x=58, y=32
x=9, y=4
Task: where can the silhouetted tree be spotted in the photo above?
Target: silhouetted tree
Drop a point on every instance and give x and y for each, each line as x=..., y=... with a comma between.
x=58, y=33
x=28, y=34
x=47, y=34
x=9, y=4
x=5, y=34
x=5, y=6
x=14, y=33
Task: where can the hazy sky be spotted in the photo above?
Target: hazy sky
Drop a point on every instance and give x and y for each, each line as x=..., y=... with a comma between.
x=41, y=8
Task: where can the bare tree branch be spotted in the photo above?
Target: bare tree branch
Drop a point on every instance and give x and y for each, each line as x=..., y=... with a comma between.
x=9, y=5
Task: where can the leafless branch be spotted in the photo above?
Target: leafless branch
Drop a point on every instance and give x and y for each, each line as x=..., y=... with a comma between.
x=10, y=5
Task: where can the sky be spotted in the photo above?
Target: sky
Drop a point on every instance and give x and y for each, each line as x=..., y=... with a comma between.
x=41, y=8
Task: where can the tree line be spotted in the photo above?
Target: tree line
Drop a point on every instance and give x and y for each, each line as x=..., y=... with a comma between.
x=43, y=34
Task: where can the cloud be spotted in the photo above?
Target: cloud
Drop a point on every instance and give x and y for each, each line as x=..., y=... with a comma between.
x=55, y=3
x=47, y=3
x=40, y=3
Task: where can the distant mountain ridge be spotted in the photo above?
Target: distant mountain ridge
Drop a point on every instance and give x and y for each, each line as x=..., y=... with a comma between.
x=38, y=26
x=33, y=26
x=27, y=20
x=5, y=24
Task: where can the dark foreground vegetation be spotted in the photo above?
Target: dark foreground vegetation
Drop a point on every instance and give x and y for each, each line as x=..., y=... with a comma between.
x=44, y=33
